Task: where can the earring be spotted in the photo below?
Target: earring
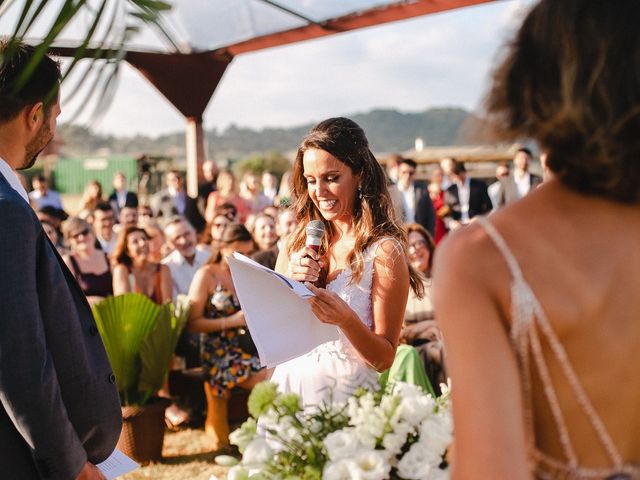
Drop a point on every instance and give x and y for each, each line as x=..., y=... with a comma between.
x=359, y=192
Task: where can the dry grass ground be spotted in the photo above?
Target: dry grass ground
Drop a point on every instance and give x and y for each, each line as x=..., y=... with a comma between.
x=187, y=455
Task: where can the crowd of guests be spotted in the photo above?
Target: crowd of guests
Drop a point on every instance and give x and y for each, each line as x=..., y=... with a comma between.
x=175, y=245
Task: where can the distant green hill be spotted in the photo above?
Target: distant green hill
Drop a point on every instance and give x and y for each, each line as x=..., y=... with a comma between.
x=388, y=130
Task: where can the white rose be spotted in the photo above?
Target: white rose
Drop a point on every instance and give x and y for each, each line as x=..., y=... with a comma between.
x=337, y=470
x=369, y=465
x=393, y=442
x=407, y=390
x=435, y=435
x=341, y=444
x=414, y=409
x=257, y=453
x=417, y=463
x=238, y=473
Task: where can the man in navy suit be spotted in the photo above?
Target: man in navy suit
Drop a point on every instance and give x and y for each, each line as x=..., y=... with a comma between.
x=417, y=205
x=466, y=198
x=59, y=407
x=121, y=197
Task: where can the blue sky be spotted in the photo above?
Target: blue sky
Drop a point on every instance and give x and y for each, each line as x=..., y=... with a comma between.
x=436, y=60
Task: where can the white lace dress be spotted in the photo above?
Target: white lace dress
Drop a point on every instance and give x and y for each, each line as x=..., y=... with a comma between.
x=334, y=370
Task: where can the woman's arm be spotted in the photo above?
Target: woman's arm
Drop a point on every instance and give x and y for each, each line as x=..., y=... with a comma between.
x=389, y=293
x=166, y=284
x=201, y=287
x=471, y=286
x=121, y=280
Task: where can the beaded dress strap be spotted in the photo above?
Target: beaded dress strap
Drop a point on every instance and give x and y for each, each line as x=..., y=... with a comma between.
x=527, y=314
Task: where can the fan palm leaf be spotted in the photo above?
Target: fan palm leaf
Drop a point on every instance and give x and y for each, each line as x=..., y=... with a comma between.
x=158, y=347
x=124, y=322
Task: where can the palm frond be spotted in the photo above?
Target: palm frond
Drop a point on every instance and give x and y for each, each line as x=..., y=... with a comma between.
x=124, y=322
x=118, y=19
x=158, y=347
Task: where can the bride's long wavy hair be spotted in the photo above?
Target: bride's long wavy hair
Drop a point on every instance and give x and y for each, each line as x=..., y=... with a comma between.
x=373, y=216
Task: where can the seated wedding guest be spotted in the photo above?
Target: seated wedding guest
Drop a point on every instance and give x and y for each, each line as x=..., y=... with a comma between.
x=42, y=196
x=158, y=247
x=539, y=313
x=223, y=216
x=52, y=215
x=145, y=213
x=284, y=198
x=251, y=192
x=226, y=192
x=285, y=225
x=92, y=195
x=215, y=311
x=264, y=231
x=53, y=235
x=128, y=217
x=134, y=272
x=419, y=328
x=185, y=259
x=270, y=186
x=89, y=265
x=103, y=222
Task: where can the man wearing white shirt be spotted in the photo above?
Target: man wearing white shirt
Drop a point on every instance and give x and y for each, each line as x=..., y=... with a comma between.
x=417, y=204
x=185, y=260
x=518, y=185
x=41, y=196
x=466, y=197
x=103, y=222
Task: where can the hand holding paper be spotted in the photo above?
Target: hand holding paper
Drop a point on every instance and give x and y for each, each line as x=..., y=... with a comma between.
x=279, y=318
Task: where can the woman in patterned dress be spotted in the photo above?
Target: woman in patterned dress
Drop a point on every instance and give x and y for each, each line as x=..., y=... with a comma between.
x=215, y=312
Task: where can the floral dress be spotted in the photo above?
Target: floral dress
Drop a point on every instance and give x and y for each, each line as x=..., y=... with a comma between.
x=226, y=363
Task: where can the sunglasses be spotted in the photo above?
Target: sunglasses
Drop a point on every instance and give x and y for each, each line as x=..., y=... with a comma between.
x=81, y=233
x=418, y=245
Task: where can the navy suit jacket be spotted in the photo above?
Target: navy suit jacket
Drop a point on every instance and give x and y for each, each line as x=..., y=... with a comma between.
x=59, y=405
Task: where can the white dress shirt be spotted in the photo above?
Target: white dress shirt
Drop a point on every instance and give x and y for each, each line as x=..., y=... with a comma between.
x=464, y=190
x=182, y=272
x=409, y=200
x=12, y=177
x=523, y=183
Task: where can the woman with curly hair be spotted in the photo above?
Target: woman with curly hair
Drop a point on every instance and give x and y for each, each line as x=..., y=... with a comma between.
x=133, y=269
x=539, y=303
x=361, y=273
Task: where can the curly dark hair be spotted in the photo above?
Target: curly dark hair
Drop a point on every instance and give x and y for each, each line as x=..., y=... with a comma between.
x=373, y=212
x=571, y=81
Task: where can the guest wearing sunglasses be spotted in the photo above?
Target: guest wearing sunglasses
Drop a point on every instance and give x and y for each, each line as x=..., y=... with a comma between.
x=89, y=265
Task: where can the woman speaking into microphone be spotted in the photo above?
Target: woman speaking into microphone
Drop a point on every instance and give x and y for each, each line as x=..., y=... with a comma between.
x=359, y=274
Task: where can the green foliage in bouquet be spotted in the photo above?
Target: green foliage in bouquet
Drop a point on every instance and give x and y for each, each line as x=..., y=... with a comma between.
x=139, y=337
x=397, y=433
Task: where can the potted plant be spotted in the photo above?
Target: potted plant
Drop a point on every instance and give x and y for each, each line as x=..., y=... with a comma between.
x=140, y=337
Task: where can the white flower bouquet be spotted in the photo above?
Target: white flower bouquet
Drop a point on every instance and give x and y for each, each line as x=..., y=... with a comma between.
x=402, y=433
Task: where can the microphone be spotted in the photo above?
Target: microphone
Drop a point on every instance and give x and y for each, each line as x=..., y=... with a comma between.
x=315, y=232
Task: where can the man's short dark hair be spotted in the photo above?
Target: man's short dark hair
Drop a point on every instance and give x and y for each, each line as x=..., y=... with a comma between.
x=408, y=161
x=458, y=167
x=40, y=86
x=525, y=150
x=104, y=207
